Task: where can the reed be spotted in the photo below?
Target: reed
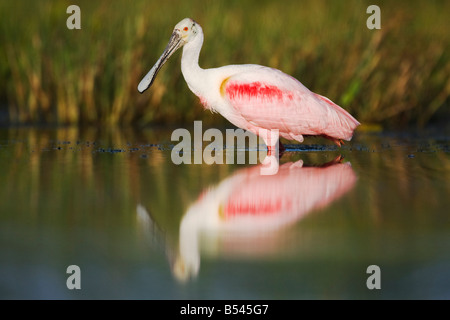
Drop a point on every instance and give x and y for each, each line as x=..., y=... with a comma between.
x=399, y=75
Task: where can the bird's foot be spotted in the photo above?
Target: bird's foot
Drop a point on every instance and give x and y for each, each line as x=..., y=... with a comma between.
x=338, y=142
x=336, y=160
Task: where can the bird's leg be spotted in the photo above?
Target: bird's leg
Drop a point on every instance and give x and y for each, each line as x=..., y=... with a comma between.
x=271, y=150
x=272, y=140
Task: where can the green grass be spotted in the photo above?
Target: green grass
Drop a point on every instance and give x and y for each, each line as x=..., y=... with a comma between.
x=399, y=75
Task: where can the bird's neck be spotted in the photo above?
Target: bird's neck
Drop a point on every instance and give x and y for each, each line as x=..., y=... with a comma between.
x=192, y=72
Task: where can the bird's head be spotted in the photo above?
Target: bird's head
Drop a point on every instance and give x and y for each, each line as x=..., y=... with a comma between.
x=184, y=32
x=187, y=29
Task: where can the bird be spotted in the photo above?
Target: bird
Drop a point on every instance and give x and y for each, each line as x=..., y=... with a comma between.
x=259, y=99
x=249, y=214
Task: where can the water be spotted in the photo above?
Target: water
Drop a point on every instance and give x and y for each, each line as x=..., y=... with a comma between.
x=140, y=227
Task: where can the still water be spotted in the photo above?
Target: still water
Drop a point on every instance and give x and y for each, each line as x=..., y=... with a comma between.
x=112, y=202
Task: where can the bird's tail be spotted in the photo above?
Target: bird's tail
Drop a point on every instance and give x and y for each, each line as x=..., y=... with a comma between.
x=342, y=123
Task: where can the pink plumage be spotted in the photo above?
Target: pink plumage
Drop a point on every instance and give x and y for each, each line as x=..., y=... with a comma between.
x=253, y=97
x=267, y=98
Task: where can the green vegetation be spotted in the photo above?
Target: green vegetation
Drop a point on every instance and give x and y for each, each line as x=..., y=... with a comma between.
x=399, y=75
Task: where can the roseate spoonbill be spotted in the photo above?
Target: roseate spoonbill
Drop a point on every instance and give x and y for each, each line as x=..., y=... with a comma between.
x=253, y=97
x=248, y=214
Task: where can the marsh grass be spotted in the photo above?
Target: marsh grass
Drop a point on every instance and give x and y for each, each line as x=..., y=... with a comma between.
x=399, y=75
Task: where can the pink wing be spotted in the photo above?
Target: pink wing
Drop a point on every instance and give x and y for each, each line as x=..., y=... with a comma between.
x=271, y=99
x=288, y=195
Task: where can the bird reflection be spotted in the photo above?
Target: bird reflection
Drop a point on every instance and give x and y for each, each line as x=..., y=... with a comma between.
x=247, y=211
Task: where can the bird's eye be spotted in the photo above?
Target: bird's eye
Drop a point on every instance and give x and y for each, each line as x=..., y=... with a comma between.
x=186, y=29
